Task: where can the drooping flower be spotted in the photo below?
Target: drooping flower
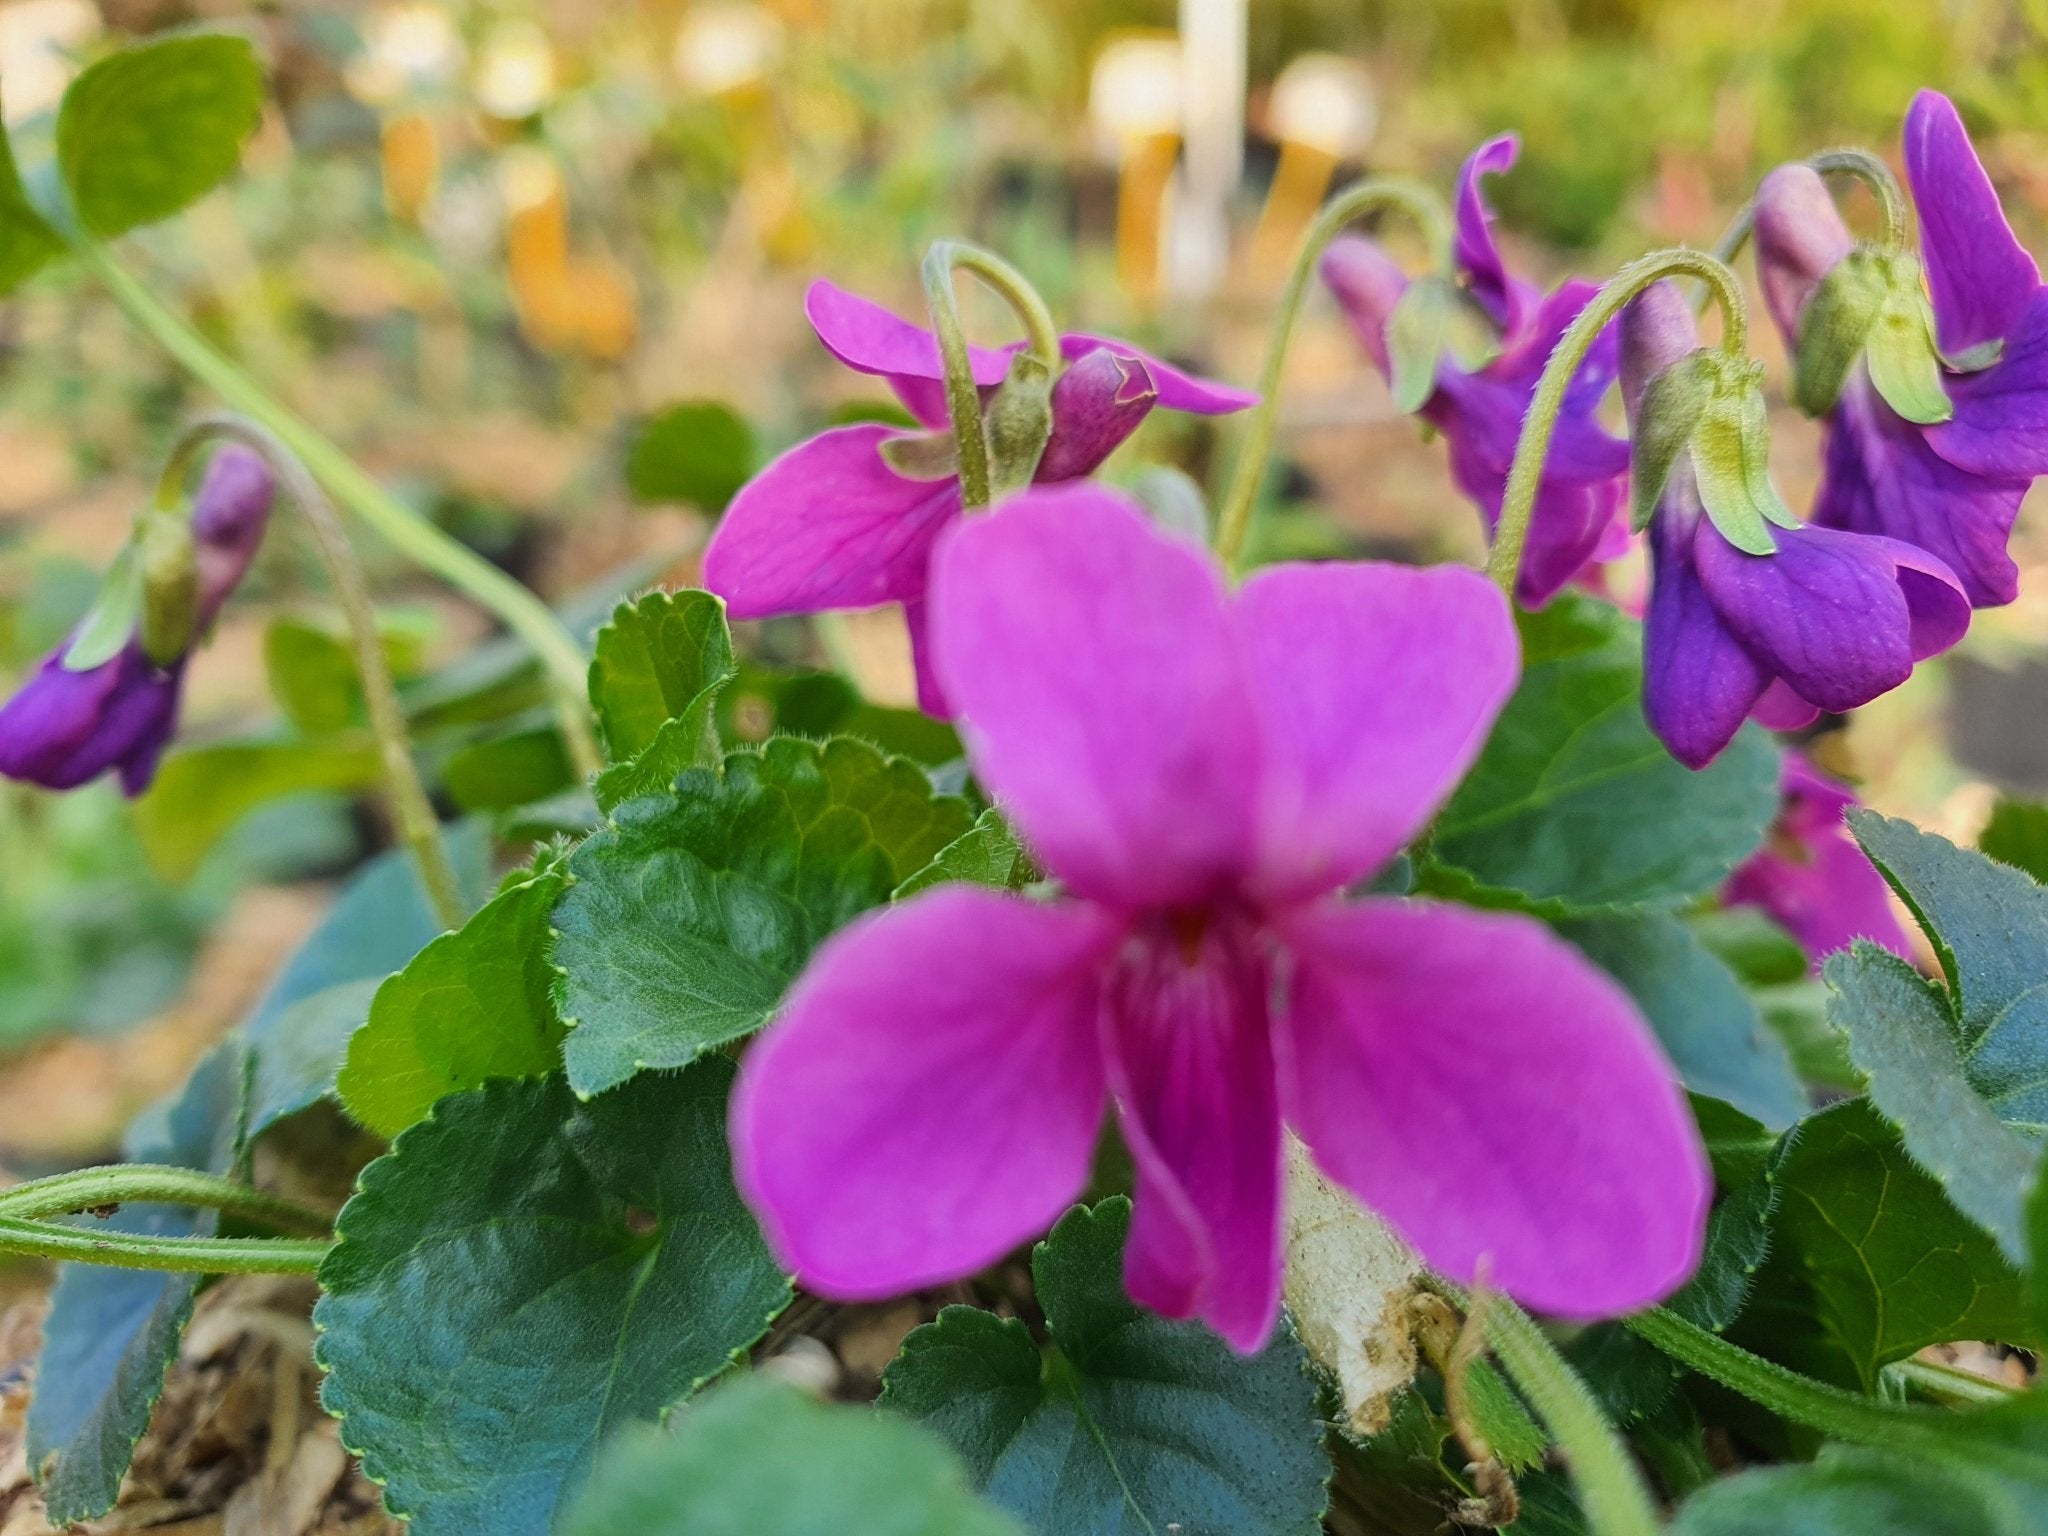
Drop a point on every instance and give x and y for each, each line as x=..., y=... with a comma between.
x=1578, y=518
x=1954, y=487
x=1829, y=621
x=833, y=523
x=64, y=727
x=1810, y=877
x=1206, y=773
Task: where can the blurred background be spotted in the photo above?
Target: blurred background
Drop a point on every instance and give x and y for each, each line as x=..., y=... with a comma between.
x=539, y=266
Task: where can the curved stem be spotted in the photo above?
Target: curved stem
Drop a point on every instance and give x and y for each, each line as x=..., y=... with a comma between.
x=963, y=397
x=1525, y=474
x=185, y=1255
x=419, y=540
x=411, y=810
x=88, y=1189
x=1610, y=1487
x=1411, y=198
x=1876, y=175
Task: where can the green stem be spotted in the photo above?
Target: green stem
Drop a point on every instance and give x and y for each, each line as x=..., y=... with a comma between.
x=963, y=396
x=411, y=809
x=1860, y=163
x=419, y=540
x=1610, y=1486
x=185, y=1255
x=157, y=1184
x=1419, y=204
x=1525, y=474
x=1950, y=1384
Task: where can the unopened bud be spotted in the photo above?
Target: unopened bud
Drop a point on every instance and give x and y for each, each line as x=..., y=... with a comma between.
x=229, y=516
x=1873, y=305
x=1096, y=404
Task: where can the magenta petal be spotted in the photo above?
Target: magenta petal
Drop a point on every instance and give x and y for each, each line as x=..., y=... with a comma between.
x=1498, y=293
x=1178, y=390
x=931, y=1095
x=1979, y=274
x=1699, y=684
x=1781, y=709
x=870, y=339
x=1189, y=1052
x=1479, y=1083
x=828, y=525
x=931, y=693
x=1378, y=684
x=1094, y=665
x=1367, y=283
x=1096, y=404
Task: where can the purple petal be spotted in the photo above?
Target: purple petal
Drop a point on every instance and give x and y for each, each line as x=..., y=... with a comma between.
x=931, y=693
x=229, y=516
x=870, y=339
x=931, y=1095
x=1979, y=274
x=1367, y=283
x=1500, y=294
x=1699, y=684
x=1800, y=237
x=1883, y=477
x=1178, y=391
x=1656, y=330
x=65, y=728
x=1378, y=686
x=1479, y=1083
x=2000, y=427
x=1096, y=404
x=1780, y=709
x=1103, y=700
x=828, y=525
x=1190, y=1061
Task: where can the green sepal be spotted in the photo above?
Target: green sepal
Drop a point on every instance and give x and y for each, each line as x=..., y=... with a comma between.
x=1672, y=405
x=1731, y=459
x=168, y=560
x=1417, y=334
x=1902, y=354
x=1018, y=423
x=112, y=618
x=1834, y=328
x=922, y=455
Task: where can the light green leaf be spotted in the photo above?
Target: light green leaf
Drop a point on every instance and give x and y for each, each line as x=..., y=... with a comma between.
x=27, y=242
x=203, y=791
x=691, y=914
x=987, y=853
x=699, y=451
x=1129, y=1422
x=654, y=684
x=757, y=1458
x=524, y=1274
x=1673, y=403
x=144, y=132
x=312, y=670
x=1850, y=1493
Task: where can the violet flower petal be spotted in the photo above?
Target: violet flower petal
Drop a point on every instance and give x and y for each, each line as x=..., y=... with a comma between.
x=1502, y=295
x=1177, y=390
x=1097, y=403
x=1980, y=276
x=1699, y=683
x=2000, y=426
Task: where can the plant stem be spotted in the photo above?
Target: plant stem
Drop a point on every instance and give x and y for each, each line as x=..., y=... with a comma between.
x=1419, y=204
x=1860, y=163
x=185, y=1255
x=1610, y=1487
x=1950, y=1383
x=411, y=809
x=153, y=1183
x=522, y=612
x=963, y=396
x=1525, y=474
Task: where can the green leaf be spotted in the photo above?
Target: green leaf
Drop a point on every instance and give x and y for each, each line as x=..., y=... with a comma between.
x=1757, y=950
x=1574, y=806
x=520, y=762
x=987, y=853
x=203, y=791
x=699, y=451
x=312, y=671
x=1128, y=1422
x=27, y=242
x=522, y=1275
x=2017, y=834
x=1416, y=333
x=757, y=1458
x=1834, y=327
x=1673, y=402
x=1705, y=1022
x=112, y=619
x=654, y=684
x=474, y=1004
x=688, y=917
x=1849, y=1493
x=1870, y=1262
x=147, y=131
x=765, y=701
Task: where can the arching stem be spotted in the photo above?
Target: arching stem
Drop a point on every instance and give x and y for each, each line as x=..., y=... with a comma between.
x=1859, y=163
x=963, y=396
x=1379, y=193
x=411, y=811
x=185, y=1255
x=1525, y=474
x=88, y=1189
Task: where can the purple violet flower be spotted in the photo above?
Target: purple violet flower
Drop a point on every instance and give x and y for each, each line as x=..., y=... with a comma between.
x=1830, y=621
x=1954, y=488
x=831, y=524
x=1206, y=772
x=1810, y=877
x=1579, y=517
x=64, y=727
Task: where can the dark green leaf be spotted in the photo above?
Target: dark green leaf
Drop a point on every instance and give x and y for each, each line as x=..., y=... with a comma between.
x=474, y=1004
x=1130, y=1422
x=525, y=1273
x=760, y=1459
x=1574, y=806
x=2017, y=834
x=692, y=912
x=519, y=763
x=699, y=451
x=1705, y=1022
x=1857, y=1493
x=148, y=130
x=27, y=242
x=987, y=853
x=659, y=666
x=203, y=791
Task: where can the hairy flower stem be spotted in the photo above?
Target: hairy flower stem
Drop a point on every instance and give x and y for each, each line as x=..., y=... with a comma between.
x=411, y=810
x=1859, y=163
x=1610, y=1486
x=561, y=658
x=1525, y=474
x=963, y=397
x=88, y=1189
x=185, y=1255
x=1422, y=206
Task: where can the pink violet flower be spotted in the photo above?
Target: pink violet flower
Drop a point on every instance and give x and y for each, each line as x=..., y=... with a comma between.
x=1810, y=877
x=830, y=524
x=1952, y=489
x=1578, y=518
x=1207, y=772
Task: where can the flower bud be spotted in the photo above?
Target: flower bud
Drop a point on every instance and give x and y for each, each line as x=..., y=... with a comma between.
x=229, y=516
x=1097, y=403
x=1800, y=238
